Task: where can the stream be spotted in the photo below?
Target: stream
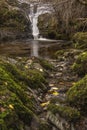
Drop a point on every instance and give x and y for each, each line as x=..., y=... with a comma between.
x=29, y=48
x=59, y=80
x=38, y=46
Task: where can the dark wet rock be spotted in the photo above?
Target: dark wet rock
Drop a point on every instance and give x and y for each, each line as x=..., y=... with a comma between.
x=59, y=122
x=63, y=90
x=47, y=22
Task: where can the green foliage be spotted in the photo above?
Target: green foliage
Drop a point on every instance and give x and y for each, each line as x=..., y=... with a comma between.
x=80, y=39
x=77, y=95
x=67, y=112
x=80, y=66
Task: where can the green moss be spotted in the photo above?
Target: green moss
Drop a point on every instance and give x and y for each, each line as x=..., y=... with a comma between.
x=77, y=95
x=36, y=79
x=13, y=19
x=80, y=40
x=80, y=66
x=14, y=113
x=17, y=106
x=67, y=112
x=59, y=53
x=46, y=64
x=11, y=76
x=32, y=78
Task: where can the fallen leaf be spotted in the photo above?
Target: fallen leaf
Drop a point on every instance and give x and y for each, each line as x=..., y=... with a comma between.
x=6, y=83
x=55, y=93
x=11, y=106
x=45, y=104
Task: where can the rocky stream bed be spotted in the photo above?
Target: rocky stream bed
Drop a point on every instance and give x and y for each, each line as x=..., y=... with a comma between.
x=35, y=91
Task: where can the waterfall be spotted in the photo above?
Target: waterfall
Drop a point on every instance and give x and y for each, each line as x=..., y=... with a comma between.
x=35, y=12
x=34, y=21
x=36, y=9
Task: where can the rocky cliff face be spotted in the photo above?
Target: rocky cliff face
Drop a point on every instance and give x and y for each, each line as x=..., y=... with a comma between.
x=70, y=17
x=14, y=21
x=47, y=24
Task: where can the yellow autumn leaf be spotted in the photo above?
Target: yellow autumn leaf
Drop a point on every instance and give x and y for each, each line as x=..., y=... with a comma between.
x=26, y=67
x=45, y=104
x=6, y=83
x=73, y=83
x=11, y=106
x=55, y=93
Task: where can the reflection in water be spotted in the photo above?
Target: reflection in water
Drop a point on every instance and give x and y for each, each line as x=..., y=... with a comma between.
x=34, y=48
x=37, y=48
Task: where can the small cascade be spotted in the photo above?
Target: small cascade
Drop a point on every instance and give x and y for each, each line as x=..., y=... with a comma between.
x=34, y=20
x=35, y=12
x=35, y=27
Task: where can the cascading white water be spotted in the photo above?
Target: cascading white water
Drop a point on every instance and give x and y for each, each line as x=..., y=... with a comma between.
x=35, y=28
x=35, y=11
x=34, y=21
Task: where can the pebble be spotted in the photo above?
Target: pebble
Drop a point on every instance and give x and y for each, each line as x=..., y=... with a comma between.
x=51, y=85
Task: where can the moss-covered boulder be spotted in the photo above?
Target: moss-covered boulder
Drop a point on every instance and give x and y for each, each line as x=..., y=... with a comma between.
x=48, y=25
x=66, y=112
x=80, y=40
x=80, y=66
x=77, y=95
x=13, y=22
x=19, y=89
x=14, y=105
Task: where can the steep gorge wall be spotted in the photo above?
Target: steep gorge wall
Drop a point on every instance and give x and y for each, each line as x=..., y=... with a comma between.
x=14, y=21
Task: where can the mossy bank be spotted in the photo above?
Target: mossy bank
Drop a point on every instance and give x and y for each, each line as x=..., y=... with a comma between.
x=20, y=88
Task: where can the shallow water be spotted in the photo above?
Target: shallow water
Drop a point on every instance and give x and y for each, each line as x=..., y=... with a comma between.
x=29, y=48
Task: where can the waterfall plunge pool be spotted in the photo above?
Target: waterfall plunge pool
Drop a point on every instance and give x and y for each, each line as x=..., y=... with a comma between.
x=27, y=48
